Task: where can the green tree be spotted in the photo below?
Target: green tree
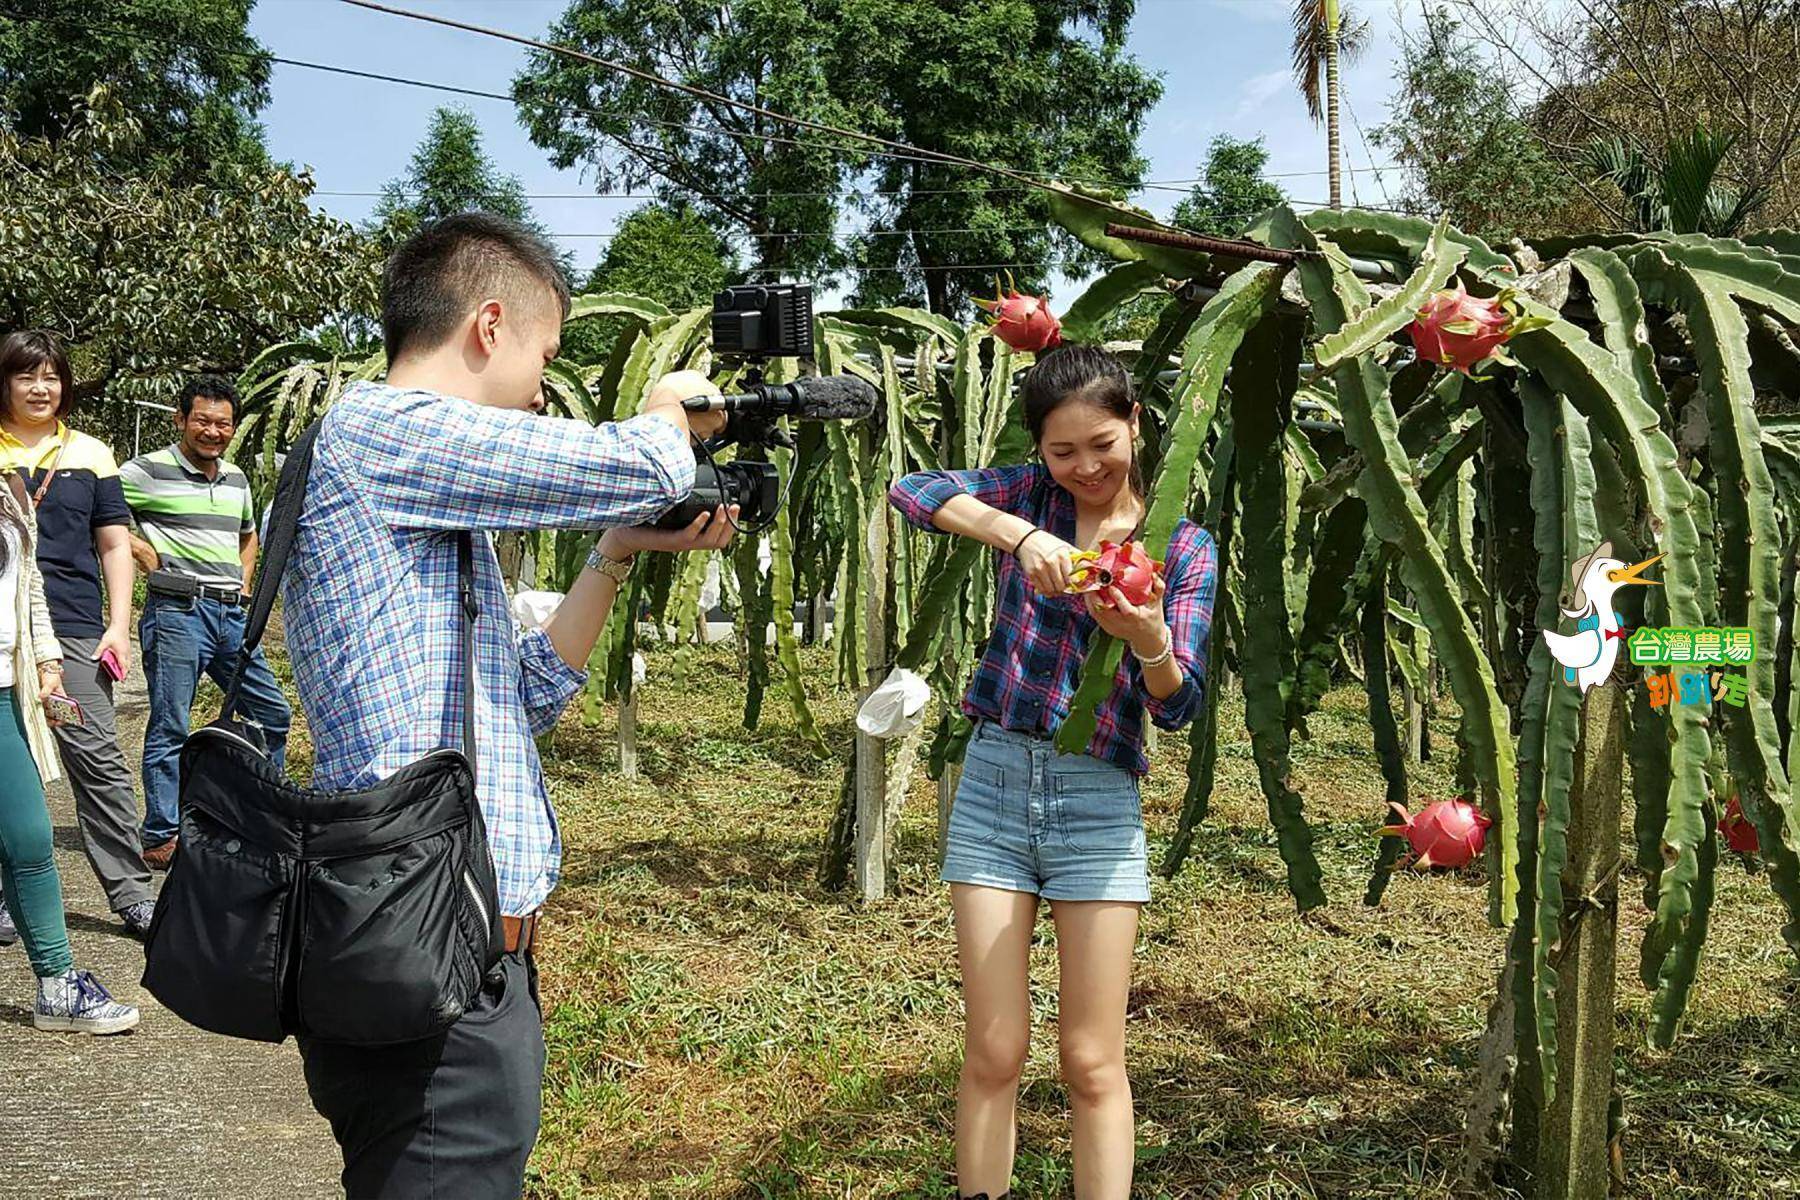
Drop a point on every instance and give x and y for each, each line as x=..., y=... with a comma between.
x=1231, y=190
x=1040, y=86
x=668, y=252
x=449, y=173
x=1646, y=74
x=1325, y=35
x=154, y=274
x=1454, y=124
x=1686, y=193
x=187, y=70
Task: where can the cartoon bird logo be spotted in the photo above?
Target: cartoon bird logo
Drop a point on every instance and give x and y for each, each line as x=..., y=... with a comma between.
x=1588, y=654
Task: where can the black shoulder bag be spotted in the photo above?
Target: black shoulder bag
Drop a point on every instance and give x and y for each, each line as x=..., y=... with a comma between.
x=368, y=917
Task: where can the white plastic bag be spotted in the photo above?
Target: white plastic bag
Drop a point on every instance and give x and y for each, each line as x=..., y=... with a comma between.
x=532, y=609
x=895, y=708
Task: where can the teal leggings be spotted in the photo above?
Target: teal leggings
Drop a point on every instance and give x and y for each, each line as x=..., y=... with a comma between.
x=27, y=858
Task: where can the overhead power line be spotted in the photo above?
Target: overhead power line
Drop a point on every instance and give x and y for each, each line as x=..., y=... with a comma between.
x=894, y=149
x=1020, y=181
x=1028, y=183
x=905, y=154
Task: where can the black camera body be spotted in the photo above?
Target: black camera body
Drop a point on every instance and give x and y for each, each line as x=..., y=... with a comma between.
x=751, y=484
x=752, y=323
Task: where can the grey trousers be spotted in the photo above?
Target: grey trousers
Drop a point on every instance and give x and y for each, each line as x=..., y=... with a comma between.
x=452, y=1117
x=106, y=803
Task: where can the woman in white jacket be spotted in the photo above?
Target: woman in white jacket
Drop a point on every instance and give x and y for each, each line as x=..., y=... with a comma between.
x=31, y=669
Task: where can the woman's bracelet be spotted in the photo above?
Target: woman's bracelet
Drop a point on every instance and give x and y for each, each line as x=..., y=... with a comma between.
x=1020, y=544
x=1159, y=660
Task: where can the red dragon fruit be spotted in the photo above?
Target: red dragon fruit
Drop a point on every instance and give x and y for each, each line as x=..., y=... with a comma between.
x=1737, y=830
x=1457, y=330
x=1023, y=322
x=1448, y=833
x=1128, y=567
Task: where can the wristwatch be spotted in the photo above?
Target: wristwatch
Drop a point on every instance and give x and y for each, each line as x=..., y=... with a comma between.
x=614, y=569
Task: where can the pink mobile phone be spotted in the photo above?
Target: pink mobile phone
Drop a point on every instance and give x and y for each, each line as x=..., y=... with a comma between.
x=62, y=709
x=109, y=659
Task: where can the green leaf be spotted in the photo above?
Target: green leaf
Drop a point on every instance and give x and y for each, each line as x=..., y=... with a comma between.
x=1398, y=516
x=915, y=320
x=618, y=304
x=1437, y=264
x=1087, y=216
x=1570, y=363
x=1749, y=583
x=1085, y=320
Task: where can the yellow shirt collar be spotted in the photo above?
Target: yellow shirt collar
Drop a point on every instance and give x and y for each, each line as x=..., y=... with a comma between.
x=14, y=454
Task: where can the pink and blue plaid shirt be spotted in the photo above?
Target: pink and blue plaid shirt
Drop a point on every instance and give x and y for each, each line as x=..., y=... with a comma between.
x=373, y=621
x=1028, y=676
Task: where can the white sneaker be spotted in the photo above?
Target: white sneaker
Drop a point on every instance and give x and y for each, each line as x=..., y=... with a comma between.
x=9, y=933
x=74, y=1002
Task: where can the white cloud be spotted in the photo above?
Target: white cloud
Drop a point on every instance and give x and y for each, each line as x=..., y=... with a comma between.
x=1260, y=89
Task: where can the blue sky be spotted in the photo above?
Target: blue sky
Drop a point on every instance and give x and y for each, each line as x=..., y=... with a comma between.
x=1224, y=65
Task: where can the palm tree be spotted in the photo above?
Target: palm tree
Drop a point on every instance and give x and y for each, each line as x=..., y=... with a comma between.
x=1325, y=34
x=1686, y=192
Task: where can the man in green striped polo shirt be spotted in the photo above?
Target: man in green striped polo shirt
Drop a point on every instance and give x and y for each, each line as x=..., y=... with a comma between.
x=196, y=537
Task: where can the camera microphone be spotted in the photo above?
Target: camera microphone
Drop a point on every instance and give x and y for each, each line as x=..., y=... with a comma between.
x=751, y=482
x=820, y=398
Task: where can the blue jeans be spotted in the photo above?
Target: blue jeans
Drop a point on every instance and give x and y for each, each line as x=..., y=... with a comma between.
x=181, y=639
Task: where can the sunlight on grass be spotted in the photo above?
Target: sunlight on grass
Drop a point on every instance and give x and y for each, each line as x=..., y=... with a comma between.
x=719, y=1026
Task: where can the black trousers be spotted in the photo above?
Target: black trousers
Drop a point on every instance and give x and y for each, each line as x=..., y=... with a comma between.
x=452, y=1117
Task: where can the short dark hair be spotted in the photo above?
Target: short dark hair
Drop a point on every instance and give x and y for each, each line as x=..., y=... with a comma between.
x=449, y=266
x=207, y=387
x=27, y=350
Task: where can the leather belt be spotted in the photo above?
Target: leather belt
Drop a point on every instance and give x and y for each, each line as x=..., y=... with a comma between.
x=205, y=591
x=520, y=932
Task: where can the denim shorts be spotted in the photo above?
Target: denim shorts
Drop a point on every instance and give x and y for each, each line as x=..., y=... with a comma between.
x=1060, y=826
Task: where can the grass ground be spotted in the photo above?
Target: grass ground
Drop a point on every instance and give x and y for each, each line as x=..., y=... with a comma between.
x=719, y=1026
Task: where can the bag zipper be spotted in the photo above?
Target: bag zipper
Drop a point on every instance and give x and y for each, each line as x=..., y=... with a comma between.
x=288, y=955
x=487, y=923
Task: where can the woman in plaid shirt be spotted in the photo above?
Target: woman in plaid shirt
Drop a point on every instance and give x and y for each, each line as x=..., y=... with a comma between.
x=1028, y=821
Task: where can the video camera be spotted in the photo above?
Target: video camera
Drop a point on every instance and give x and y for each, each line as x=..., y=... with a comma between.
x=753, y=324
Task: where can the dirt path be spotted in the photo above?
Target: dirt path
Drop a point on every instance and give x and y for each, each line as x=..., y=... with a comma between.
x=164, y=1111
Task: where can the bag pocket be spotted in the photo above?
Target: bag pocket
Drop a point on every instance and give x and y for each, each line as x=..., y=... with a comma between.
x=385, y=945
x=214, y=956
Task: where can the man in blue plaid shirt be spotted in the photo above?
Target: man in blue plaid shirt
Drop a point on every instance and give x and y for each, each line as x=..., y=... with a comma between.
x=472, y=310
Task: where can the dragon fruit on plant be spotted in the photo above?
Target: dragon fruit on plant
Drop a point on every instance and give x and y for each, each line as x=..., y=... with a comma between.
x=1457, y=330
x=1023, y=322
x=1447, y=833
x=1736, y=829
x=1127, y=567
